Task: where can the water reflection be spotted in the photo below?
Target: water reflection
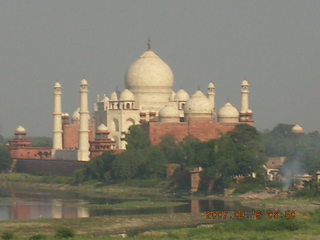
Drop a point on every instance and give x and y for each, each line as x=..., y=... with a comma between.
x=27, y=205
x=20, y=207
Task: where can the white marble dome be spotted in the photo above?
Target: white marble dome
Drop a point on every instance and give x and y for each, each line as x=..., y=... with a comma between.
x=149, y=70
x=228, y=114
x=113, y=96
x=150, y=79
x=102, y=128
x=198, y=104
x=182, y=96
x=20, y=130
x=228, y=111
x=297, y=129
x=126, y=95
x=211, y=85
x=245, y=83
x=169, y=113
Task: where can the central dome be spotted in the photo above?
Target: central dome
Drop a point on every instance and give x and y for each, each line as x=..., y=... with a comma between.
x=150, y=79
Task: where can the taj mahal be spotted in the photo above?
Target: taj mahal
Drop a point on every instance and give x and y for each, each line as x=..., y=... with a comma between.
x=148, y=99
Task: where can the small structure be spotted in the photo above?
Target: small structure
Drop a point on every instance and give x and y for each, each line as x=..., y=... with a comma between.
x=301, y=180
x=195, y=179
x=297, y=129
x=21, y=147
x=273, y=168
x=102, y=142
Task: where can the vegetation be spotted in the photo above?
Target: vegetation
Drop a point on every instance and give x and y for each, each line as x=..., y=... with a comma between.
x=302, y=150
x=169, y=226
x=5, y=160
x=7, y=235
x=64, y=232
x=237, y=153
x=41, y=141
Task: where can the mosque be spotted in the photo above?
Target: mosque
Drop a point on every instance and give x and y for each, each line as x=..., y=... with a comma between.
x=148, y=99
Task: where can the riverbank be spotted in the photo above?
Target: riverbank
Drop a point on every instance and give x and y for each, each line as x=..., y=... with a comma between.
x=127, y=190
x=170, y=225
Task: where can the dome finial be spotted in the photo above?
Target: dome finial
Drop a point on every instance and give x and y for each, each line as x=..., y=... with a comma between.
x=149, y=43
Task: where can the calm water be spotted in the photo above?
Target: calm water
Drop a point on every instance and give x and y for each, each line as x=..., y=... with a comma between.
x=25, y=205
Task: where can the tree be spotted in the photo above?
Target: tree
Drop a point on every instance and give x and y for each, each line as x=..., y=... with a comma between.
x=137, y=138
x=5, y=160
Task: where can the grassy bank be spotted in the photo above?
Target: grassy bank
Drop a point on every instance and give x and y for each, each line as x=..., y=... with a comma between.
x=135, y=189
x=172, y=226
x=136, y=205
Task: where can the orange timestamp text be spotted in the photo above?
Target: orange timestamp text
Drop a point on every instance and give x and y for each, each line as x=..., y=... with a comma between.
x=252, y=214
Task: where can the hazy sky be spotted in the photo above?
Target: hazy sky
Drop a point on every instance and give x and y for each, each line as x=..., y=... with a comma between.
x=274, y=44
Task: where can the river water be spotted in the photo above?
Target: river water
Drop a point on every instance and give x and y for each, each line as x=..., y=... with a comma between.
x=22, y=205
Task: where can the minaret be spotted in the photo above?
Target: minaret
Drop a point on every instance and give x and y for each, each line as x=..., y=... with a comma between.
x=245, y=113
x=83, y=152
x=57, y=119
x=211, y=94
x=244, y=96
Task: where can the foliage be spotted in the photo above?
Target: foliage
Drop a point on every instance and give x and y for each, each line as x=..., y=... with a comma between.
x=5, y=160
x=41, y=141
x=302, y=150
x=64, y=232
x=37, y=237
x=7, y=235
x=310, y=191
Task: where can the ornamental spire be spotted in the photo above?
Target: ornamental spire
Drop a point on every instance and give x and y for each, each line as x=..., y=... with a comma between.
x=149, y=44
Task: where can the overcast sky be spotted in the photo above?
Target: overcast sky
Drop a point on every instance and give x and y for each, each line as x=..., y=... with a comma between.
x=274, y=44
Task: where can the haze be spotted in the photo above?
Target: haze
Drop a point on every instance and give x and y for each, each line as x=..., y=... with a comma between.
x=273, y=44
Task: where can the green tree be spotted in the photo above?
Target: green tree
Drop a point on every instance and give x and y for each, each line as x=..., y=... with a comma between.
x=137, y=138
x=5, y=160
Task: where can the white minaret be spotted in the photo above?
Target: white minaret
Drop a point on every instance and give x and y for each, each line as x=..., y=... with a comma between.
x=244, y=97
x=57, y=119
x=212, y=94
x=83, y=152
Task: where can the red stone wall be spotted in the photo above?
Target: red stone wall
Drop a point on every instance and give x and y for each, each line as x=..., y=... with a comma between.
x=31, y=153
x=71, y=135
x=204, y=131
x=48, y=167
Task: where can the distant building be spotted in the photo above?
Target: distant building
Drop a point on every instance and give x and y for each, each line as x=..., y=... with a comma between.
x=149, y=98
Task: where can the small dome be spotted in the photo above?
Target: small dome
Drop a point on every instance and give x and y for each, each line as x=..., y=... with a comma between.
x=57, y=85
x=126, y=95
x=65, y=115
x=198, y=104
x=297, y=129
x=211, y=85
x=102, y=128
x=76, y=115
x=169, y=111
x=84, y=82
x=182, y=96
x=245, y=83
x=228, y=111
x=20, y=130
x=114, y=96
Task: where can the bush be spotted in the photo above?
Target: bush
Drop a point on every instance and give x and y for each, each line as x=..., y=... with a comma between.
x=37, y=237
x=7, y=235
x=64, y=232
x=249, y=187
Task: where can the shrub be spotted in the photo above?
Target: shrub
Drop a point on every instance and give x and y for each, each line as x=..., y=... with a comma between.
x=64, y=232
x=37, y=237
x=7, y=235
